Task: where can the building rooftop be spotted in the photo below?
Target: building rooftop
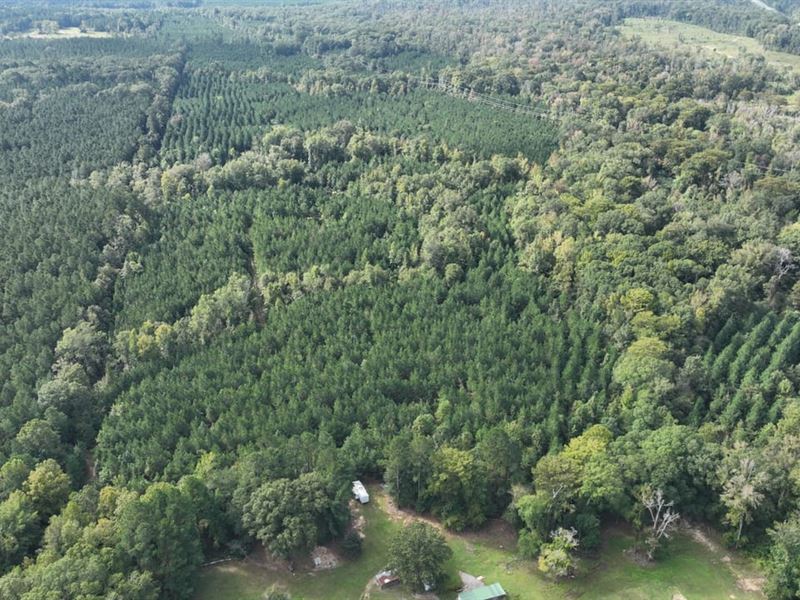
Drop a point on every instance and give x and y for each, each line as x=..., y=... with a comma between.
x=487, y=592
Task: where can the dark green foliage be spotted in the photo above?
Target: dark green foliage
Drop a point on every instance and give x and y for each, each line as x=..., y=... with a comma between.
x=417, y=554
x=250, y=254
x=67, y=114
x=158, y=532
x=290, y=517
x=221, y=112
x=20, y=525
x=44, y=146
x=385, y=347
x=588, y=527
x=201, y=245
x=352, y=544
x=750, y=368
x=784, y=569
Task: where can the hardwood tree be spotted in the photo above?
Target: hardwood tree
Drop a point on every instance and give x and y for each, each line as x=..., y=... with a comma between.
x=417, y=554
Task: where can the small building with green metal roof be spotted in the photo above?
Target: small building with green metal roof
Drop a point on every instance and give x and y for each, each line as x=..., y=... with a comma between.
x=487, y=592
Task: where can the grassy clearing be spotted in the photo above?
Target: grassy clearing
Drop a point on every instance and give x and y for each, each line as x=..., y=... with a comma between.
x=688, y=568
x=698, y=571
x=63, y=34
x=673, y=34
x=248, y=579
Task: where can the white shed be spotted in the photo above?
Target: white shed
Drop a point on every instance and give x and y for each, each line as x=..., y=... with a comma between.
x=360, y=492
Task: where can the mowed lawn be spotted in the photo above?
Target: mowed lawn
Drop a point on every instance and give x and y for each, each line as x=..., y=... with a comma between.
x=688, y=568
x=698, y=571
x=248, y=580
x=674, y=34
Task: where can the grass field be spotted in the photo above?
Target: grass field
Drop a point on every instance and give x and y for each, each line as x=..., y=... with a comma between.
x=62, y=34
x=699, y=570
x=247, y=580
x=673, y=34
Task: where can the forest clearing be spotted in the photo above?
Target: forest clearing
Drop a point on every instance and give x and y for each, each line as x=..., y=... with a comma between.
x=676, y=34
x=699, y=569
x=64, y=33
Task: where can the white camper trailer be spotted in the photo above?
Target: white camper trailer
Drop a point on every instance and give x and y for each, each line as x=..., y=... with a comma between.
x=360, y=492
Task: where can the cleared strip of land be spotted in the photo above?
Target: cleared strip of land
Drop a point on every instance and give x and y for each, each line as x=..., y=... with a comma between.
x=674, y=34
x=61, y=34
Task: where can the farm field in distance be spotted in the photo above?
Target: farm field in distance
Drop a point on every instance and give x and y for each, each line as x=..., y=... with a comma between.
x=65, y=33
x=674, y=34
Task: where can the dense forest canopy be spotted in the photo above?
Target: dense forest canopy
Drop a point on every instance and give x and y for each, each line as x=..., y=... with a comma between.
x=492, y=253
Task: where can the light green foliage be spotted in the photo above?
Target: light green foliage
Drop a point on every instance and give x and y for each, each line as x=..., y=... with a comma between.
x=47, y=487
x=643, y=363
x=583, y=470
x=784, y=560
x=458, y=488
x=704, y=40
x=13, y=474
x=225, y=308
x=83, y=345
x=19, y=528
x=556, y=557
x=743, y=481
x=689, y=567
x=38, y=438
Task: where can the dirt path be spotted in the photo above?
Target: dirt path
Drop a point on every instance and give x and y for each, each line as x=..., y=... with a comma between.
x=405, y=516
x=700, y=536
x=387, y=505
x=90, y=465
x=255, y=283
x=371, y=585
x=745, y=580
